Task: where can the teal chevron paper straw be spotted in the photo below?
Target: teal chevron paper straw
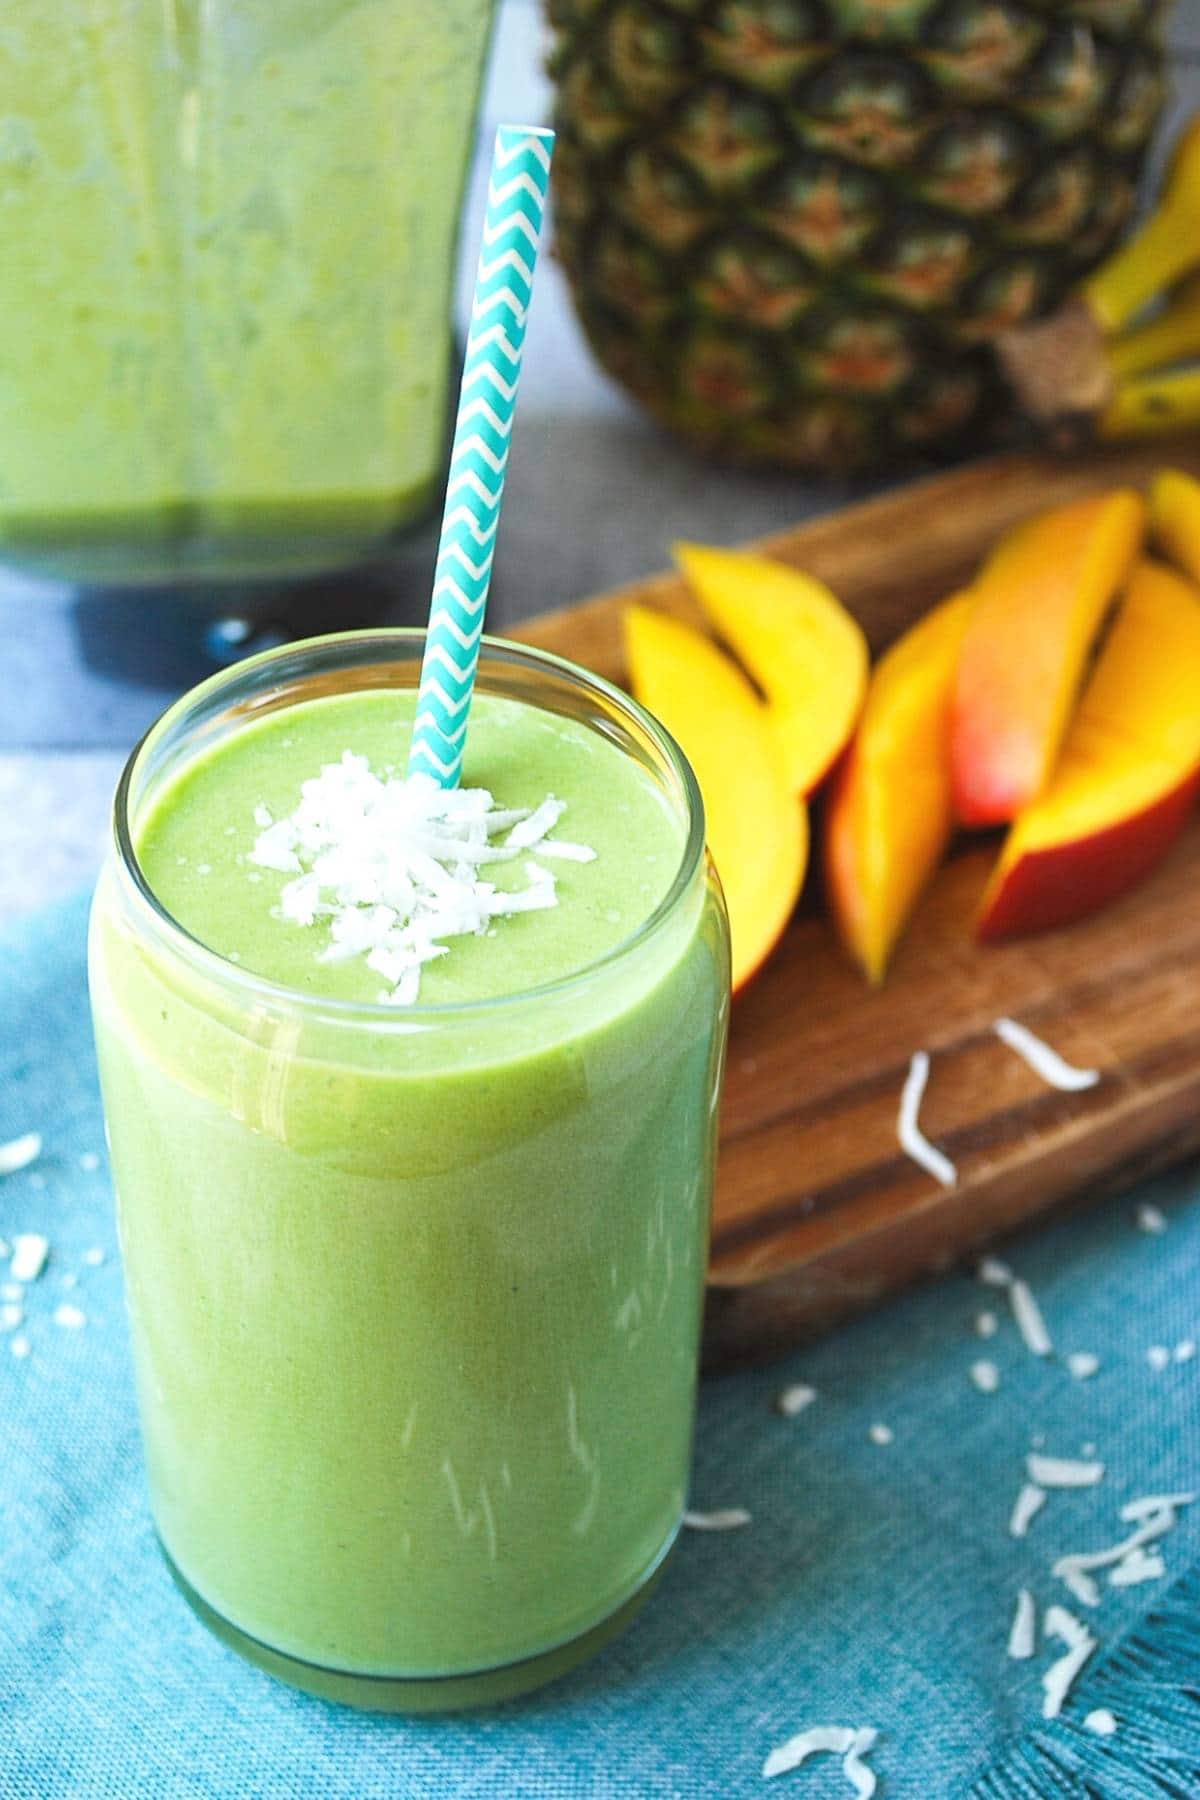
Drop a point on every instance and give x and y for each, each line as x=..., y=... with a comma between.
x=479, y=456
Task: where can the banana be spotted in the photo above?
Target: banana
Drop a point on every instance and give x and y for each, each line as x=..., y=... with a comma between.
x=1166, y=248
x=1147, y=404
x=1171, y=336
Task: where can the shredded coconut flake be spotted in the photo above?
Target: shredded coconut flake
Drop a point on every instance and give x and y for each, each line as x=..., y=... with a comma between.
x=994, y=1274
x=1158, y=1356
x=1151, y=1504
x=1062, y=1471
x=1022, y=1636
x=1100, y=1721
x=391, y=867
x=913, y=1141
x=837, y=1740
x=94, y=1257
x=1151, y=1219
x=1029, y=1320
x=19, y=1346
x=1044, y=1061
x=11, y=1290
x=1137, y=1566
x=986, y=1325
x=69, y=1316
x=1082, y=1364
x=1075, y=1569
x=1185, y=1350
x=89, y=1162
x=861, y=1779
x=881, y=1434
x=1060, y=1677
x=794, y=1399
x=1028, y=1504
x=30, y=1251
x=20, y=1153
x=11, y=1315
x=1078, y=1581
x=851, y=1744
x=728, y=1518
x=986, y=1376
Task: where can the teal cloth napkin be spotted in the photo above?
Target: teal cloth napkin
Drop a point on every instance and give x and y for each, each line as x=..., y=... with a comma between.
x=874, y=1585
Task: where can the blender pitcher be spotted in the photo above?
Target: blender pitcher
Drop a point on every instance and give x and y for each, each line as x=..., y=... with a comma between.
x=229, y=231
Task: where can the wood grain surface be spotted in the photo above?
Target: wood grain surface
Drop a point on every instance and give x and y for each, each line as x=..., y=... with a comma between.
x=818, y=1214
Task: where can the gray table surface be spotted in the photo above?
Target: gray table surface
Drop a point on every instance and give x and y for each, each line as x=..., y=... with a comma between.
x=595, y=495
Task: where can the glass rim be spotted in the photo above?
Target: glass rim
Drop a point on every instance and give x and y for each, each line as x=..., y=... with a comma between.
x=278, y=994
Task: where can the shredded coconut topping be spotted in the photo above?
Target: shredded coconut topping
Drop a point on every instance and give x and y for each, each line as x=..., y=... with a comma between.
x=69, y=1316
x=1101, y=1722
x=913, y=1141
x=881, y=1434
x=985, y=1324
x=20, y=1153
x=994, y=1273
x=1044, y=1061
x=393, y=864
x=1151, y=1219
x=1158, y=1356
x=1083, y=1364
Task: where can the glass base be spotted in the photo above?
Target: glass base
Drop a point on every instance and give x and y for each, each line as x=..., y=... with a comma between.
x=421, y=1694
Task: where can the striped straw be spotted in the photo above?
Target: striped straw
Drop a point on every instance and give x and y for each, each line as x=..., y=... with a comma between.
x=479, y=457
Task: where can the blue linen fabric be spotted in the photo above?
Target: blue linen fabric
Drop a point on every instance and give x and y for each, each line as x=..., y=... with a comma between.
x=874, y=1585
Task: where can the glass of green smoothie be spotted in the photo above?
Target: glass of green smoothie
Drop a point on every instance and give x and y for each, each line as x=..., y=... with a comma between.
x=414, y=1277
x=229, y=238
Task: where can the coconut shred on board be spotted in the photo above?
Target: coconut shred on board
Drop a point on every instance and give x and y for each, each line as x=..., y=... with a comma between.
x=393, y=865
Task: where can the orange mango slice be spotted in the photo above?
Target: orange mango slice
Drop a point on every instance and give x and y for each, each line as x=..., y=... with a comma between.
x=757, y=830
x=1039, y=602
x=1128, y=774
x=806, y=652
x=890, y=815
x=1175, y=519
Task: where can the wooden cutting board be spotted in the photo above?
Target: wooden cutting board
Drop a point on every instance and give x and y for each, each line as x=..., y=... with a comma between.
x=818, y=1214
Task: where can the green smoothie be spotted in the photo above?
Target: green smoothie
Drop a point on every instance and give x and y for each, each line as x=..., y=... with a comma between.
x=226, y=282
x=415, y=1290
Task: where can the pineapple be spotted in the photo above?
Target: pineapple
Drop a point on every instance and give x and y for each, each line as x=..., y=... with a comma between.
x=793, y=227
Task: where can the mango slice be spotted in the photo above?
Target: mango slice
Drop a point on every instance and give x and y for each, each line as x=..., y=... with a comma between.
x=806, y=652
x=757, y=830
x=1129, y=771
x=1039, y=602
x=1175, y=519
x=890, y=815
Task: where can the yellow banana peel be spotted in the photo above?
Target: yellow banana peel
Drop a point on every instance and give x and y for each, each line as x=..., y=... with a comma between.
x=1166, y=248
x=1148, y=404
x=1172, y=336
